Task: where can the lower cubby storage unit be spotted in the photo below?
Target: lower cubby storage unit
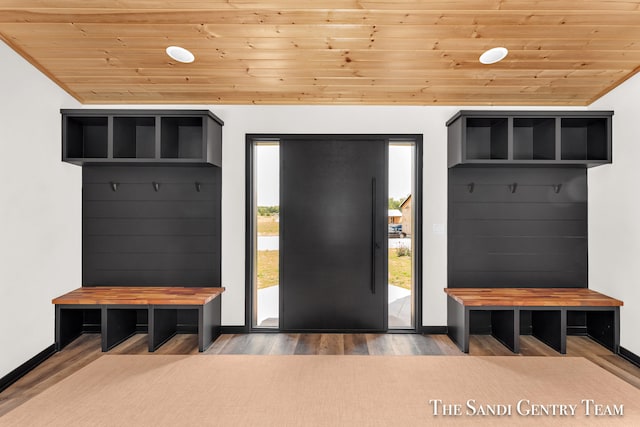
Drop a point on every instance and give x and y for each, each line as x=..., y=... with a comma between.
x=118, y=320
x=545, y=312
x=71, y=322
x=602, y=326
x=547, y=325
x=550, y=327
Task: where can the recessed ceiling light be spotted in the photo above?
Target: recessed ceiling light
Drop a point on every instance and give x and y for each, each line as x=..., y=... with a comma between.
x=494, y=55
x=180, y=54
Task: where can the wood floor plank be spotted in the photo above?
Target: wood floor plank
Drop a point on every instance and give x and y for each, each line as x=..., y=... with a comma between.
x=379, y=344
x=284, y=343
x=219, y=344
x=425, y=344
x=308, y=344
x=355, y=344
x=402, y=344
x=179, y=344
x=238, y=345
x=534, y=347
x=331, y=344
x=134, y=345
x=259, y=344
x=487, y=346
x=447, y=347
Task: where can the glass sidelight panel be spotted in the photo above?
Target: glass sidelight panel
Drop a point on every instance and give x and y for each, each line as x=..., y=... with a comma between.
x=401, y=236
x=267, y=234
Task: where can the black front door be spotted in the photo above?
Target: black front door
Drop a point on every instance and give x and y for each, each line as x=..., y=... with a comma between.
x=333, y=241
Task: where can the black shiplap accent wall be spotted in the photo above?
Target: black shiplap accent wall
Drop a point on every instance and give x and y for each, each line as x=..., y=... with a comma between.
x=532, y=237
x=137, y=236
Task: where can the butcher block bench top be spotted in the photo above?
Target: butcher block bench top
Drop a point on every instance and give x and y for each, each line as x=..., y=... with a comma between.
x=531, y=297
x=139, y=295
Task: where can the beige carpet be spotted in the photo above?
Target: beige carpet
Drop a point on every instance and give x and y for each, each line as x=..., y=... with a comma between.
x=235, y=390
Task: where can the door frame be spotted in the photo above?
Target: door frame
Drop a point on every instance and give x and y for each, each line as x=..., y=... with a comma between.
x=251, y=140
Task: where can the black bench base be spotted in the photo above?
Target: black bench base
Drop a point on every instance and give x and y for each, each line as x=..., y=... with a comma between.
x=119, y=322
x=548, y=324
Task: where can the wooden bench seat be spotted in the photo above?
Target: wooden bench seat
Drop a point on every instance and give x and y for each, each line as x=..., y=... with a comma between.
x=548, y=306
x=139, y=295
x=119, y=305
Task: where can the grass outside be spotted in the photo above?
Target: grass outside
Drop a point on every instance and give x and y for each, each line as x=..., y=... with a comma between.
x=268, y=226
x=268, y=268
x=400, y=271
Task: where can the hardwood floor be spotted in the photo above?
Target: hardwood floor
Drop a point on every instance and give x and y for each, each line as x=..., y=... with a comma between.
x=86, y=349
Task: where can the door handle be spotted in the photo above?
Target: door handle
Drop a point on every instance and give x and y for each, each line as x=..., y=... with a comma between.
x=374, y=244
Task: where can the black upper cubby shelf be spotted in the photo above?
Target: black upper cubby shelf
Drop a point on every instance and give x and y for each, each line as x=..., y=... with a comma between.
x=530, y=137
x=582, y=139
x=141, y=136
x=87, y=137
x=490, y=135
x=134, y=137
x=181, y=138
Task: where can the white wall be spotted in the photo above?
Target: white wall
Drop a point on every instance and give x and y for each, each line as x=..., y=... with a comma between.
x=40, y=210
x=325, y=119
x=40, y=201
x=614, y=212
x=242, y=120
x=429, y=121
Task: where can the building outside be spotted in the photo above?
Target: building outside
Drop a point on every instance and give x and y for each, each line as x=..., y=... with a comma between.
x=395, y=216
x=405, y=208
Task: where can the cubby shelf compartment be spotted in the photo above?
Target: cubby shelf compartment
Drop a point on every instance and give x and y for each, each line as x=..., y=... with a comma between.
x=534, y=138
x=181, y=138
x=530, y=137
x=141, y=136
x=134, y=137
x=86, y=137
x=486, y=138
x=582, y=139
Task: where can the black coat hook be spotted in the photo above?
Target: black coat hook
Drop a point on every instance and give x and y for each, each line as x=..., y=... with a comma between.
x=470, y=187
x=156, y=186
x=198, y=186
x=114, y=185
x=556, y=188
x=513, y=187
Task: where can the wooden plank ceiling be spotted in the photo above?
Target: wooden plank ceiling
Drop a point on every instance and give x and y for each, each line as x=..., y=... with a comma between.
x=376, y=52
